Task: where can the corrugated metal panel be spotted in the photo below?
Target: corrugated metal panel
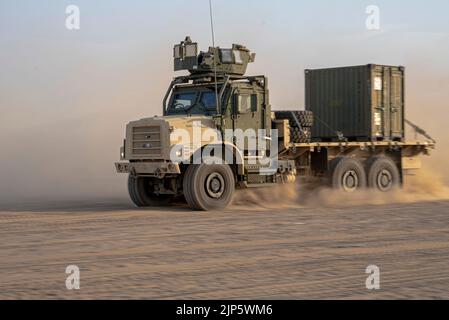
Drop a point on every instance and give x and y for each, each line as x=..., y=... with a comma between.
x=362, y=102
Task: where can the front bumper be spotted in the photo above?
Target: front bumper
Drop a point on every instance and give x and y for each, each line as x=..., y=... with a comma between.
x=156, y=169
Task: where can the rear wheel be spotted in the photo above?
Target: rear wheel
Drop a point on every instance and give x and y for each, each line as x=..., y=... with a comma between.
x=383, y=174
x=347, y=174
x=209, y=186
x=143, y=193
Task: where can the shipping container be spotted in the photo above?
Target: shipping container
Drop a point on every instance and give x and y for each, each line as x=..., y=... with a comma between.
x=356, y=103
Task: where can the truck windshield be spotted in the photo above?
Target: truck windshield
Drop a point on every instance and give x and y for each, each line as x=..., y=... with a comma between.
x=199, y=102
x=183, y=101
x=209, y=101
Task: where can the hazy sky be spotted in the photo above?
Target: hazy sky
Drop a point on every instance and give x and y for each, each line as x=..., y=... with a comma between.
x=65, y=96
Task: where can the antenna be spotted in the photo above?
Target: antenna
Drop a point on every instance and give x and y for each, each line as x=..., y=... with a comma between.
x=215, y=57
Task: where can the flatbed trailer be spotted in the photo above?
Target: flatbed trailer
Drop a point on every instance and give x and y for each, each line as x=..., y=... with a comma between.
x=320, y=159
x=407, y=149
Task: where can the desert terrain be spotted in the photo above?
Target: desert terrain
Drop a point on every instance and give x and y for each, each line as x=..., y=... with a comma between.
x=250, y=251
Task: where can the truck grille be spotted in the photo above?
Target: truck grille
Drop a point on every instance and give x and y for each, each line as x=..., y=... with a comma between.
x=146, y=141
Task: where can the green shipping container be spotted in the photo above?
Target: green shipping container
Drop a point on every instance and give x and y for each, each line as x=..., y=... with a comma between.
x=363, y=103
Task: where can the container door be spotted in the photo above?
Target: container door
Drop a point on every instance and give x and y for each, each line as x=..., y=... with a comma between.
x=397, y=104
x=380, y=103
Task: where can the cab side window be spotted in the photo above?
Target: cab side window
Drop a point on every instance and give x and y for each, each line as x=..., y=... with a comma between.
x=247, y=103
x=244, y=103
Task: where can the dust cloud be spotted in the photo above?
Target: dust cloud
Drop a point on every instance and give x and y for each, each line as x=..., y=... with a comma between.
x=60, y=137
x=422, y=186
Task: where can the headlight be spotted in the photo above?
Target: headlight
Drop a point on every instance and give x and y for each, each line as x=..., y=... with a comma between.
x=122, y=153
x=179, y=153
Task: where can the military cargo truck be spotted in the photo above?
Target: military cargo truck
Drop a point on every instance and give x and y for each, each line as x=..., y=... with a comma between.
x=214, y=98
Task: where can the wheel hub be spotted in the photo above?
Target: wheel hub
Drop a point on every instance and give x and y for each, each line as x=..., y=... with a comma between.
x=350, y=181
x=384, y=180
x=215, y=185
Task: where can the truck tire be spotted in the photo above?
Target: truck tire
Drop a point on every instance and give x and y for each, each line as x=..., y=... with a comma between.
x=383, y=174
x=141, y=192
x=303, y=132
x=299, y=135
x=304, y=117
x=347, y=174
x=187, y=185
x=208, y=186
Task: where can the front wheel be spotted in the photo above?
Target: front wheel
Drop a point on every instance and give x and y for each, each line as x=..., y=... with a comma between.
x=143, y=193
x=208, y=186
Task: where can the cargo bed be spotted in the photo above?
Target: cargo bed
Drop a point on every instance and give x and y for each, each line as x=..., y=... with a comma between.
x=368, y=144
x=319, y=158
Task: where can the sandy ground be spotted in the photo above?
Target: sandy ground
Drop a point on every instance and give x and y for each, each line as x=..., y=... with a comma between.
x=245, y=252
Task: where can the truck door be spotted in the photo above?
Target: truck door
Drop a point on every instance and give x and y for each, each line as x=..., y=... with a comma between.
x=247, y=117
